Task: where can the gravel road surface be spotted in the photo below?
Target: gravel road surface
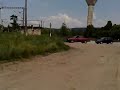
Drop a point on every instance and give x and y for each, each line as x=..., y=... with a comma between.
x=84, y=67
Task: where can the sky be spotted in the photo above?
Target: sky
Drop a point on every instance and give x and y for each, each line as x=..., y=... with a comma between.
x=72, y=12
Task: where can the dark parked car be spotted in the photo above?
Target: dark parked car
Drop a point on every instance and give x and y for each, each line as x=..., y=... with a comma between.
x=104, y=40
x=78, y=39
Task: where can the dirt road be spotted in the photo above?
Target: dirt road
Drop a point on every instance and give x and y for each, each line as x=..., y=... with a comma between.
x=85, y=67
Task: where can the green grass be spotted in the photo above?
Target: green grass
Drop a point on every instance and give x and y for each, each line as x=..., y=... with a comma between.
x=16, y=46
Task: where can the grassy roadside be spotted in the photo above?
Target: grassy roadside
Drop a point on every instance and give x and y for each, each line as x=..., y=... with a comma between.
x=16, y=46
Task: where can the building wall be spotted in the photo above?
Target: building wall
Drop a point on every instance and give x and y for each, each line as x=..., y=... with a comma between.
x=32, y=32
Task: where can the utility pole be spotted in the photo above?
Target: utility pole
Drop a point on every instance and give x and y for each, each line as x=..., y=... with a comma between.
x=0, y=17
x=41, y=23
x=23, y=17
x=50, y=30
x=0, y=20
x=25, y=31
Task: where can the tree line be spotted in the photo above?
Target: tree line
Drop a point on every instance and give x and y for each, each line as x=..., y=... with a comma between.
x=109, y=30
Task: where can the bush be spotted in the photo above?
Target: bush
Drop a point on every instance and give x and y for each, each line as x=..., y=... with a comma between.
x=15, y=45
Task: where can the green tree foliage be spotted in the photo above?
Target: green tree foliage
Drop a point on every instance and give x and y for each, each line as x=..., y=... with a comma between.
x=104, y=31
x=89, y=31
x=1, y=28
x=14, y=24
x=115, y=31
x=64, y=31
x=74, y=32
x=108, y=31
x=108, y=26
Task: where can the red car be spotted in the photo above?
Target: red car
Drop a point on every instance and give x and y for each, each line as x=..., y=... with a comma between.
x=78, y=39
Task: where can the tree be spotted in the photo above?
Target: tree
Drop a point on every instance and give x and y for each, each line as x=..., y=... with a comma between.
x=1, y=27
x=89, y=31
x=115, y=31
x=64, y=31
x=108, y=26
x=15, y=25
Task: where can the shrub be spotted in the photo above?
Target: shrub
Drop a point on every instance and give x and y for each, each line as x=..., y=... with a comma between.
x=15, y=46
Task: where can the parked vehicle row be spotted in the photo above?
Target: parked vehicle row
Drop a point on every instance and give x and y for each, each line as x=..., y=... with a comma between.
x=81, y=39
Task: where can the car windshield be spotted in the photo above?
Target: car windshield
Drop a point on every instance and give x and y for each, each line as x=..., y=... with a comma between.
x=77, y=36
x=102, y=38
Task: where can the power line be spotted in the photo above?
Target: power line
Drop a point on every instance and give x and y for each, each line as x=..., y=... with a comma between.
x=5, y=7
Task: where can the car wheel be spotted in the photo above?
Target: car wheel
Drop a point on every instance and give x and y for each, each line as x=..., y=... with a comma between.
x=101, y=42
x=84, y=42
x=111, y=42
x=72, y=41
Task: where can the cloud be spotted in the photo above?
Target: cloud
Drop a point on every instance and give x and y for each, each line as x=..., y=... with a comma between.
x=97, y=22
x=71, y=22
x=58, y=19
